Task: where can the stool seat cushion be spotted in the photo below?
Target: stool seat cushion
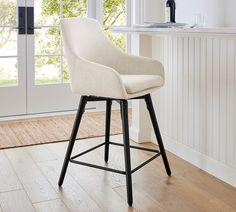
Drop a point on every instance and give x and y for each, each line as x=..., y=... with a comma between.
x=139, y=83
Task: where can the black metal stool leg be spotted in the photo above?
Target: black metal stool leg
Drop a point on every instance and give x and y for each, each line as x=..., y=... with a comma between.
x=148, y=100
x=108, y=127
x=125, y=124
x=80, y=112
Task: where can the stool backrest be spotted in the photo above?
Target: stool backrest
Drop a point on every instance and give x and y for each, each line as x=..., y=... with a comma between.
x=84, y=37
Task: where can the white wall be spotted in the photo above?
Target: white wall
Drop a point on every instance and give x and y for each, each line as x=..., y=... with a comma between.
x=217, y=12
x=230, y=13
x=213, y=10
x=154, y=10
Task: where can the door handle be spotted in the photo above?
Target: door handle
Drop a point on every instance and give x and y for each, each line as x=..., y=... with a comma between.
x=22, y=13
x=30, y=21
x=21, y=21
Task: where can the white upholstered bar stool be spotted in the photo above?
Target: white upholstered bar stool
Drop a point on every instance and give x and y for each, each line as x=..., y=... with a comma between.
x=101, y=72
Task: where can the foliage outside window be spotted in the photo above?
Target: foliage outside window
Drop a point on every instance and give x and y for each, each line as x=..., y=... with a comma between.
x=49, y=41
x=8, y=72
x=115, y=14
x=7, y=18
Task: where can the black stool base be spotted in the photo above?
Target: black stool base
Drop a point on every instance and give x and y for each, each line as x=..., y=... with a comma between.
x=125, y=124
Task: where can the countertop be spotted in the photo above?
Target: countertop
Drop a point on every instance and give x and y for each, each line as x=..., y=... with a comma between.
x=205, y=30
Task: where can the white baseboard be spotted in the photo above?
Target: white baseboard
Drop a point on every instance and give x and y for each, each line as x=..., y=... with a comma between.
x=41, y=115
x=213, y=167
x=37, y=115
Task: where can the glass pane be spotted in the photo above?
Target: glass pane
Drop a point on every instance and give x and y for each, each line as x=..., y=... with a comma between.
x=119, y=39
x=47, y=70
x=8, y=72
x=65, y=71
x=50, y=69
x=8, y=12
x=47, y=41
x=8, y=41
x=115, y=15
x=71, y=8
x=47, y=13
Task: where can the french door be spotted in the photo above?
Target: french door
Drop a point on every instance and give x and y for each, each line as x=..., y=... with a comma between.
x=33, y=71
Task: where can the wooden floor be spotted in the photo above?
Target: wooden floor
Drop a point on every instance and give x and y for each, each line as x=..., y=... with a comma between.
x=28, y=182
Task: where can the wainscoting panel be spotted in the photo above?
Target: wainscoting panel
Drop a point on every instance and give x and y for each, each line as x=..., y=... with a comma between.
x=197, y=106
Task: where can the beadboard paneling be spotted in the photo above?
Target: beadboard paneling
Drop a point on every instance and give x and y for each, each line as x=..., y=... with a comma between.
x=197, y=104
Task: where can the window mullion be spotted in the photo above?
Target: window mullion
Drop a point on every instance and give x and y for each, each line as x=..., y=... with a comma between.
x=95, y=10
x=91, y=9
x=138, y=12
x=100, y=10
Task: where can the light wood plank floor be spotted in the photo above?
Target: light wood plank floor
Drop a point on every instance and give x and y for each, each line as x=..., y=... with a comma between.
x=28, y=182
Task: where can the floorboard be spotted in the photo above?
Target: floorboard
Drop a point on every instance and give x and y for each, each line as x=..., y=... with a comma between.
x=9, y=180
x=51, y=206
x=34, y=182
x=16, y=201
x=142, y=201
x=72, y=194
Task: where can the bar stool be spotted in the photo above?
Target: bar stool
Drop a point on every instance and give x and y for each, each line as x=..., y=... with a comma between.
x=101, y=72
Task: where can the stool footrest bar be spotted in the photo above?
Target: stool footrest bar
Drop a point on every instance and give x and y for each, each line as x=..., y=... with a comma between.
x=145, y=163
x=136, y=147
x=97, y=166
x=87, y=151
x=72, y=159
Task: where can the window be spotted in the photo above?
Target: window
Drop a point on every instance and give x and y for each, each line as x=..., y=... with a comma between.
x=50, y=65
x=49, y=62
x=8, y=43
x=49, y=52
x=115, y=14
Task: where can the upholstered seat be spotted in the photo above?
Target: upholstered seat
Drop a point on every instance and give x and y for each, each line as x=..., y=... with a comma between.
x=141, y=83
x=98, y=68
